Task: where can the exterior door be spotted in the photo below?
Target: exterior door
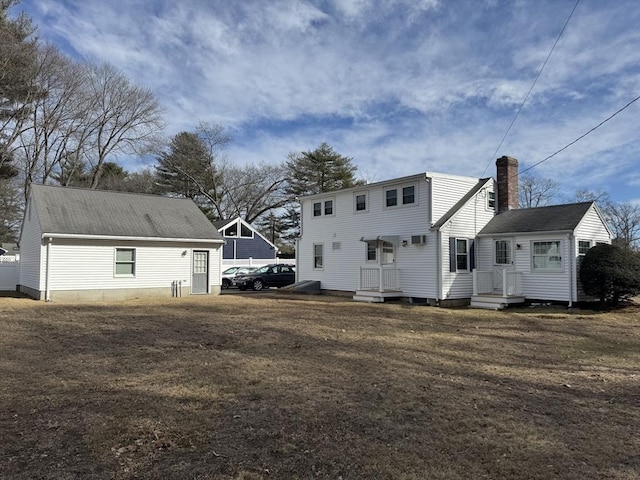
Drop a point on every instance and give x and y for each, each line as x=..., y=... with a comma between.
x=200, y=281
x=502, y=261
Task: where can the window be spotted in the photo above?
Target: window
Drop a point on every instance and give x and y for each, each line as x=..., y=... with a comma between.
x=317, y=255
x=317, y=209
x=408, y=195
x=372, y=252
x=392, y=197
x=231, y=231
x=583, y=247
x=491, y=200
x=462, y=254
x=547, y=256
x=503, y=252
x=328, y=207
x=387, y=253
x=245, y=231
x=361, y=202
x=125, y=261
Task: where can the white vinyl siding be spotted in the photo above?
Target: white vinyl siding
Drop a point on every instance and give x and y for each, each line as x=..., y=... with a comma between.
x=90, y=266
x=417, y=264
x=31, y=251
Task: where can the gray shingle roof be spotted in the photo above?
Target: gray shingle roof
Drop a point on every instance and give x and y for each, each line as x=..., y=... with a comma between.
x=555, y=218
x=460, y=203
x=79, y=211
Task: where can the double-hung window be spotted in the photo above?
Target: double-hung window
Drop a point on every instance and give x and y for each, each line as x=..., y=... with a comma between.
x=328, y=207
x=408, y=195
x=491, y=200
x=125, y=261
x=462, y=254
x=547, y=256
x=391, y=197
x=317, y=209
x=361, y=202
x=583, y=247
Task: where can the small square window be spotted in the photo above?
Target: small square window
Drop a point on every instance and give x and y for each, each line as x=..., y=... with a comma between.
x=583, y=247
x=392, y=198
x=408, y=195
x=317, y=209
x=328, y=207
x=336, y=246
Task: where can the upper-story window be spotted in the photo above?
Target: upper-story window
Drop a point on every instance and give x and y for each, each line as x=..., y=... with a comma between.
x=232, y=230
x=328, y=207
x=404, y=195
x=408, y=195
x=392, y=197
x=324, y=207
x=491, y=200
x=361, y=202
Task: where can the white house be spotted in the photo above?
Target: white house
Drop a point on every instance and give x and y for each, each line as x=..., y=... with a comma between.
x=437, y=239
x=410, y=237
x=533, y=253
x=101, y=245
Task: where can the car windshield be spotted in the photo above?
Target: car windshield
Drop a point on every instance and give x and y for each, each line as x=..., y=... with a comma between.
x=261, y=270
x=229, y=271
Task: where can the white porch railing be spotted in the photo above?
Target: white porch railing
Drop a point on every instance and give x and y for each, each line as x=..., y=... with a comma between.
x=379, y=278
x=511, y=283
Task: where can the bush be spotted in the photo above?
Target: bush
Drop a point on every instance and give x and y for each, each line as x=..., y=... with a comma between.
x=610, y=273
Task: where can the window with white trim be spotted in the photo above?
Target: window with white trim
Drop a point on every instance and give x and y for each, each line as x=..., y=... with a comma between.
x=391, y=197
x=361, y=202
x=491, y=200
x=245, y=231
x=408, y=195
x=317, y=255
x=462, y=254
x=547, y=256
x=503, y=252
x=583, y=247
x=317, y=209
x=328, y=207
x=125, y=261
x=372, y=252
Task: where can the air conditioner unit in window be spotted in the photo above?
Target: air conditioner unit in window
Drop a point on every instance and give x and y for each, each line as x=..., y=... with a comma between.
x=418, y=239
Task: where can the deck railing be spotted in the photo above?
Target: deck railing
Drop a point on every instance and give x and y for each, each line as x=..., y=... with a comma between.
x=511, y=283
x=379, y=278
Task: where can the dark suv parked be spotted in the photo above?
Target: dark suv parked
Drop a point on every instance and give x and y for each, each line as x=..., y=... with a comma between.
x=274, y=275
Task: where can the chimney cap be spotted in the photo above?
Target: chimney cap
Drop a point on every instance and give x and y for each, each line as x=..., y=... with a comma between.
x=506, y=160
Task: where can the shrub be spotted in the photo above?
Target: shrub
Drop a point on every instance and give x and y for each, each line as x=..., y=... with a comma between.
x=610, y=273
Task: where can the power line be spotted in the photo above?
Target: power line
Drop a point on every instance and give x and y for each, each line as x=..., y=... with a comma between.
x=531, y=88
x=581, y=136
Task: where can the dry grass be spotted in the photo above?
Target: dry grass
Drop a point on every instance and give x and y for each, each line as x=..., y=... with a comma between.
x=281, y=387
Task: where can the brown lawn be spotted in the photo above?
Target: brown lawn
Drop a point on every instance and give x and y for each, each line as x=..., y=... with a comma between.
x=277, y=387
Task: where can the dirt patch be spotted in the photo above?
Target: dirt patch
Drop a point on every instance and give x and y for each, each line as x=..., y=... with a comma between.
x=298, y=387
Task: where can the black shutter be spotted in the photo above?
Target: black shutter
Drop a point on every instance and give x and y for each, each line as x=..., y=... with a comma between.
x=472, y=255
x=452, y=254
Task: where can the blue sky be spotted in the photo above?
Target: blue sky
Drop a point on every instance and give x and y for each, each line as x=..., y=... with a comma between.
x=401, y=86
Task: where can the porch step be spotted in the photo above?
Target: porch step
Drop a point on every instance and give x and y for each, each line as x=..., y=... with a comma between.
x=494, y=302
x=373, y=296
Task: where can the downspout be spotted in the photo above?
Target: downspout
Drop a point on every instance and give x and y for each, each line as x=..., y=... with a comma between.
x=571, y=267
x=47, y=274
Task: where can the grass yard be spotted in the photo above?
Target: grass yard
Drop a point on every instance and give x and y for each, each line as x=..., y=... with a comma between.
x=279, y=387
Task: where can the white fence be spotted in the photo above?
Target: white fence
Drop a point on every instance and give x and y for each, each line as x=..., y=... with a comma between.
x=379, y=278
x=511, y=283
x=9, y=272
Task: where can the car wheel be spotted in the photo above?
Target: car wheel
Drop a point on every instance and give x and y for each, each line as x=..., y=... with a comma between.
x=258, y=285
x=225, y=283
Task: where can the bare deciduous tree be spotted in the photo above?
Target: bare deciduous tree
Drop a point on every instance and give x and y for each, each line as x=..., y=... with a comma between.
x=536, y=191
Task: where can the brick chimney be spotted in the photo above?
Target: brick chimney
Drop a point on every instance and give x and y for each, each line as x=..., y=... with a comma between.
x=507, y=171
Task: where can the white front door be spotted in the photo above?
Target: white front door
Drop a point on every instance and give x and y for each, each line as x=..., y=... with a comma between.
x=502, y=261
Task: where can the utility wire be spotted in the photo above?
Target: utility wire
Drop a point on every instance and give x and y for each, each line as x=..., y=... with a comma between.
x=580, y=137
x=531, y=89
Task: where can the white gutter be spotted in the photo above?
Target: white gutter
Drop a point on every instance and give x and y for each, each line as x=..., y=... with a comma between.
x=121, y=237
x=47, y=273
